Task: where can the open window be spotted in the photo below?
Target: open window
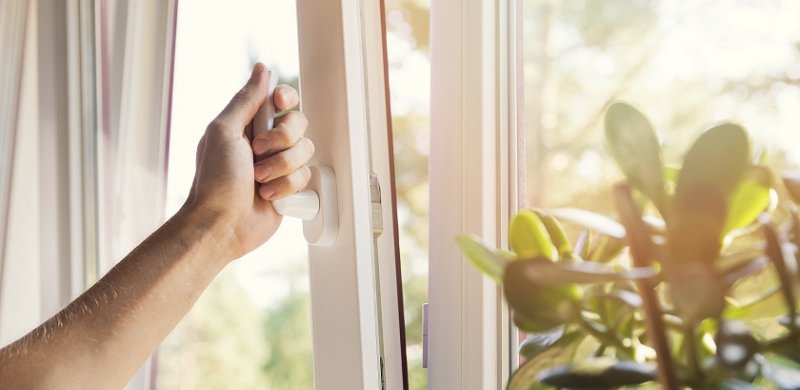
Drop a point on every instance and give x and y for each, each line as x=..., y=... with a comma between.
x=255, y=324
x=121, y=94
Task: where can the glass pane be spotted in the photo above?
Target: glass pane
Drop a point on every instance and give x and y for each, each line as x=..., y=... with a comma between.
x=251, y=328
x=408, y=46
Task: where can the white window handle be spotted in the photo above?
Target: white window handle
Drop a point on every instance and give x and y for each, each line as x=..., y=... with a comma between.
x=317, y=205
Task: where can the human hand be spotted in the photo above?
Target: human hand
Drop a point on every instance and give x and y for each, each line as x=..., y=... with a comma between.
x=228, y=186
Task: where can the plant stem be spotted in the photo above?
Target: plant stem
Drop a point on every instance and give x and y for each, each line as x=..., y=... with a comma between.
x=692, y=357
x=604, y=337
x=641, y=254
x=775, y=253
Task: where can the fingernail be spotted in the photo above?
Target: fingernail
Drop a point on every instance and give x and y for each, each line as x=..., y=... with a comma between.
x=287, y=98
x=260, y=146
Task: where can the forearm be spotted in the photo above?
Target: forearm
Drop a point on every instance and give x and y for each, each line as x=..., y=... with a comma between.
x=101, y=338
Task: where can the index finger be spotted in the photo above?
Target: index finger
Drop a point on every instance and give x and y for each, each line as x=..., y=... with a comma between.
x=285, y=98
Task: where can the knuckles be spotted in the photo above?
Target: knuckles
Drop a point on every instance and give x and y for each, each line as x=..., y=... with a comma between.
x=216, y=126
x=297, y=117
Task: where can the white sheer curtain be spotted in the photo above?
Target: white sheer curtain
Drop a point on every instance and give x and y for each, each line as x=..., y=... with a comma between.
x=13, y=26
x=90, y=108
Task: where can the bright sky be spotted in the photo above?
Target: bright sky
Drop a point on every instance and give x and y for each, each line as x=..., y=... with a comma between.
x=216, y=41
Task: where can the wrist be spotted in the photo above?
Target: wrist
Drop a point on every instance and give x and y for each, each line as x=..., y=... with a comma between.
x=213, y=231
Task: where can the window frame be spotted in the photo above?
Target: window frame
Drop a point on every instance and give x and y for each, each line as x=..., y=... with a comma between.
x=355, y=300
x=474, y=152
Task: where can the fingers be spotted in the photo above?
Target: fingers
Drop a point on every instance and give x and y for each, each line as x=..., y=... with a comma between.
x=286, y=185
x=241, y=109
x=285, y=98
x=290, y=128
x=285, y=162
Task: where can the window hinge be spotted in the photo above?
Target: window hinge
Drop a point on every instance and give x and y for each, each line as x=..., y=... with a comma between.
x=424, y=335
x=376, y=209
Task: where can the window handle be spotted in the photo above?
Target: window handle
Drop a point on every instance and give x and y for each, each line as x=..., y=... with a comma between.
x=317, y=205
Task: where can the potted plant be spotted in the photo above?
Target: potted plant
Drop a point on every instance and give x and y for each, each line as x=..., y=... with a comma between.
x=693, y=283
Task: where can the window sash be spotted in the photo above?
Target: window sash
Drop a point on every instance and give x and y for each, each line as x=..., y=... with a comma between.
x=342, y=79
x=473, y=188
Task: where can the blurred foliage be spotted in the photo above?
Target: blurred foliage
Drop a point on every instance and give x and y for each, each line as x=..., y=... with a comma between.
x=408, y=23
x=286, y=327
x=214, y=346
x=411, y=20
x=688, y=62
x=227, y=342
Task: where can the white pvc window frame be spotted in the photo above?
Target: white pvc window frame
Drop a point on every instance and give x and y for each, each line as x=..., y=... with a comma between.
x=473, y=187
x=354, y=296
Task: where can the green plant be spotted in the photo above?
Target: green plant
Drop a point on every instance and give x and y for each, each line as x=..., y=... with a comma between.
x=694, y=285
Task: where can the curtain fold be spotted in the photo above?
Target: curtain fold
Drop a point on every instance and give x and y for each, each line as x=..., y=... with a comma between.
x=13, y=18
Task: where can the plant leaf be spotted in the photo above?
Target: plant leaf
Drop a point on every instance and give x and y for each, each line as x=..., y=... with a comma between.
x=783, y=372
x=775, y=254
x=696, y=289
x=671, y=173
x=712, y=169
x=729, y=262
x=607, y=249
x=553, y=274
x=526, y=376
x=601, y=372
x=536, y=343
x=583, y=244
x=628, y=298
x=750, y=198
x=557, y=235
x=792, y=183
x=538, y=306
x=593, y=221
x=768, y=305
x=735, y=274
x=486, y=259
x=528, y=236
x=718, y=158
x=633, y=144
x=736, y=384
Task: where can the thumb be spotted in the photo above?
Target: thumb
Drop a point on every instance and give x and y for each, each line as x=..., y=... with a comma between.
x=244, y=105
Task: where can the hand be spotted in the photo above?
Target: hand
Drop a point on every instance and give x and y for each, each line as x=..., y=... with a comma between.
x=225, y=181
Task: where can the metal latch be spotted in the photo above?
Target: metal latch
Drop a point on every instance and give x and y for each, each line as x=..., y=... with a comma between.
x=376, y=207
x=424, y=335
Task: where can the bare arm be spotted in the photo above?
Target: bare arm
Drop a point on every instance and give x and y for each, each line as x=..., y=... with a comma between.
x=102, y=337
